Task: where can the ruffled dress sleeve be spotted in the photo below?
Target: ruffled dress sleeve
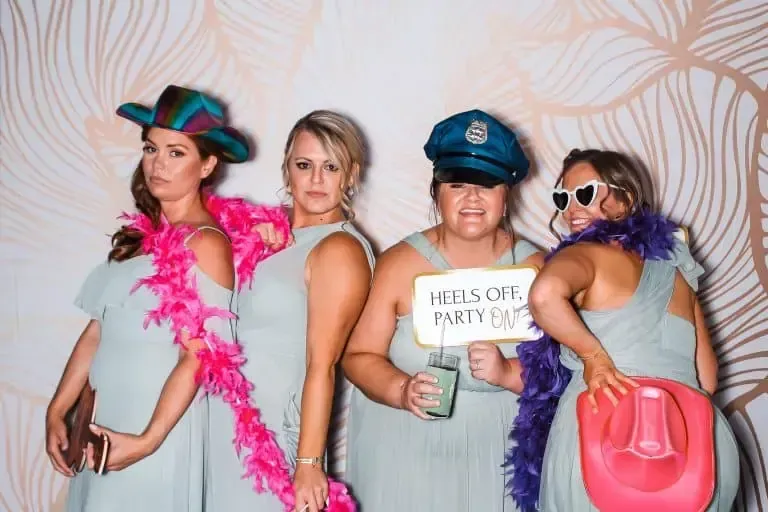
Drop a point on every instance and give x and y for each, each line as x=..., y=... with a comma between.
x=690, y=269
x=91, y=296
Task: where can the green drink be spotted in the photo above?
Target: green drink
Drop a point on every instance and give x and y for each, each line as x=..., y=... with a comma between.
x=446, y=368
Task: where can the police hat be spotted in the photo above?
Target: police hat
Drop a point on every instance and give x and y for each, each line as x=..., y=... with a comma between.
x=474, y=147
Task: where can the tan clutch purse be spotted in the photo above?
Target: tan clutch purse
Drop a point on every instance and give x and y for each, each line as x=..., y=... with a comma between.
x=78, y=422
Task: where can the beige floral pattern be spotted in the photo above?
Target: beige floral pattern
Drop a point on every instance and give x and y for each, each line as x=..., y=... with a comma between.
x=682, y=83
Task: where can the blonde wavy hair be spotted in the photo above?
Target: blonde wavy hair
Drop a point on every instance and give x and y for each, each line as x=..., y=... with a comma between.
x=343, y=142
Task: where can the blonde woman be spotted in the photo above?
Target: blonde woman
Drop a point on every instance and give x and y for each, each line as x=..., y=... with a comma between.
x=295, y=317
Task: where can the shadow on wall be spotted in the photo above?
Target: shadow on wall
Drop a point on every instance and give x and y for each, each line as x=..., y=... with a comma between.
x=364, y=169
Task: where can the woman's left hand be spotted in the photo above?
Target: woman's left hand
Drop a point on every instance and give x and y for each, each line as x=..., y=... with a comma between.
x=124, y=449
x=487, y=362
x=311, y=488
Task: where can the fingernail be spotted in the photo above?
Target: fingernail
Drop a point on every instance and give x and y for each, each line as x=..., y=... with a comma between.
x=441, y=391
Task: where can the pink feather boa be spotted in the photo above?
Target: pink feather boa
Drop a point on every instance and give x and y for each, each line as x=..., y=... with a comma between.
x=174, y=284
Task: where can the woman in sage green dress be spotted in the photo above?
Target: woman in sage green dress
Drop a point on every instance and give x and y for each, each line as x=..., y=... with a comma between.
x=399, y=458
x=145, y=383
x=620, y=307
x=294, y=319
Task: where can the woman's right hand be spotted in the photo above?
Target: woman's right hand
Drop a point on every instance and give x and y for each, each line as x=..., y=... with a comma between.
x=412, y=391
x=271, y=237
x=601, y=373
x=56, y=441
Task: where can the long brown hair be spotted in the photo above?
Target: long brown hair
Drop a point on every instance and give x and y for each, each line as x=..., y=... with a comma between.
x=629, y=177
x=126, y=242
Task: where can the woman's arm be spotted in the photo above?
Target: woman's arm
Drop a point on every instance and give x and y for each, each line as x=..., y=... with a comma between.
x=706, y=359
x=214, y=258
x=178, y=392
x=67, y=392
x=366, y=361
x=568, y=273
x=338, y=278
x=513, y=379
x=536, y=259
x=487, y=361
x=76, y=371
x=338, y=281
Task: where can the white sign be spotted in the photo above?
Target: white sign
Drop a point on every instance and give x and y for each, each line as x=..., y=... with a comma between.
x=467, y=305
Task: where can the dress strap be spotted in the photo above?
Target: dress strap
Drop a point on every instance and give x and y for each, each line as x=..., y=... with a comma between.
x=350, y=228
x=523, y=250
x=508, y=258
x=201, y=228
x=423, y=246
x=517, y=254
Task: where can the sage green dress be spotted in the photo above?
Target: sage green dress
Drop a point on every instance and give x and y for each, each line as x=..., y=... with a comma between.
x=396, y=461
x=129, y=370
x=642, y=339
x=272, y=330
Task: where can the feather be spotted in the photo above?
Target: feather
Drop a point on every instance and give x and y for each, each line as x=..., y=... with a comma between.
x=649, y=235
x=220, y=362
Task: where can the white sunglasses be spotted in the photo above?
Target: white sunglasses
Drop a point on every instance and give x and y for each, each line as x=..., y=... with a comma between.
x=584, y=194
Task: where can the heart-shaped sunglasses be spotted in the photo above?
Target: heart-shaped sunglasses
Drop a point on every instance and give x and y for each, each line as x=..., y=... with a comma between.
x=584, y=194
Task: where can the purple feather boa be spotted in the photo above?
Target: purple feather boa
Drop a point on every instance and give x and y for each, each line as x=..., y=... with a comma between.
x=647, y=234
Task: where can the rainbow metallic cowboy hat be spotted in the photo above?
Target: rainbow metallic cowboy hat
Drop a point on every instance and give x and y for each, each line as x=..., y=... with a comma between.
x=654, y=451
x=192, y=113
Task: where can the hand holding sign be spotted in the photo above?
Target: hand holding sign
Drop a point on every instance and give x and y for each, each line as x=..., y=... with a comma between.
x=486, y=304
x=487, y=362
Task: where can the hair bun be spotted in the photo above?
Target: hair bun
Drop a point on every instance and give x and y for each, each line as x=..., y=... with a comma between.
x=572, y=155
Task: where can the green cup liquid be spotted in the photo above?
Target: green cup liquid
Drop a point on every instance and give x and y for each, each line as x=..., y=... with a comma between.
x=446, y=374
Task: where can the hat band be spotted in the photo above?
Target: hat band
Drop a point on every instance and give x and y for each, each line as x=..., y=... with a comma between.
x=484, y=158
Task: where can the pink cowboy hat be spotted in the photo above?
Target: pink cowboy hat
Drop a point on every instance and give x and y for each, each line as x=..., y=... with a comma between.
x=653, y=451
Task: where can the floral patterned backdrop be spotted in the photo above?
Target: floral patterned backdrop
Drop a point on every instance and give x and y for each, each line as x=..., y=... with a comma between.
x=682, y=83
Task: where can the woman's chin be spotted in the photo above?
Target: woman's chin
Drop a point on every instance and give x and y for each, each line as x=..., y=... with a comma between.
x=317, y=206
x=474, y=231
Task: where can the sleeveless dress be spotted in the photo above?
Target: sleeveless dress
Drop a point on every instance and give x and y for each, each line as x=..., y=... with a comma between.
x=396, y=461
x=272, y=330
x=643, y=339
x=129, y=370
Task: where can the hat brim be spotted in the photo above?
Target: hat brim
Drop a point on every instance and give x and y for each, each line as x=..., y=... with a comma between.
x=485, y=166
x=469, y=176
x=232, y=144
x=694, y=488
x=135, y=112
